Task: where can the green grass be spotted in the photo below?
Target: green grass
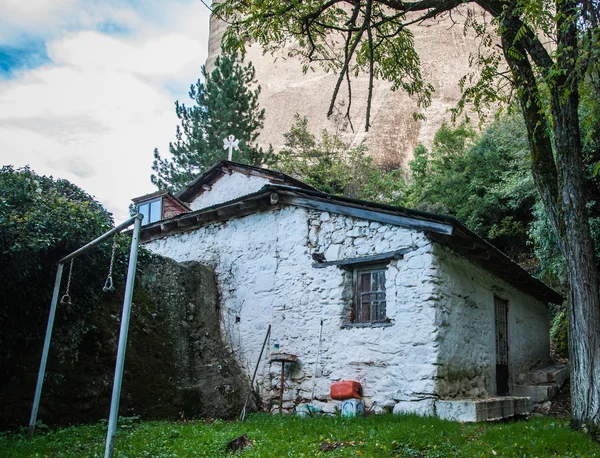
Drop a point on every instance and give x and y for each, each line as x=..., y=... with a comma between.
x=274, y=436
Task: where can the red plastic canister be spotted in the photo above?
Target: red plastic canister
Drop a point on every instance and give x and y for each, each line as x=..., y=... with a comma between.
x=345, y=389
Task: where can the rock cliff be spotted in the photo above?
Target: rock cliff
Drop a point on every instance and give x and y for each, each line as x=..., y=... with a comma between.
x=444, y=49
x=176, y=364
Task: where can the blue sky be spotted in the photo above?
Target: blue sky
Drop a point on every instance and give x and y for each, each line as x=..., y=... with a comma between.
x=20, y=57
x=87, y=87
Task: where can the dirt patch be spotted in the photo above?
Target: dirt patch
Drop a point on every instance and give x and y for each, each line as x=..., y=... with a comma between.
x=561, y=404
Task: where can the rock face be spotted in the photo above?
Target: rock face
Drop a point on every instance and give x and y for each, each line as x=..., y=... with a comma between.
x=176, y=364
x=444, y=50
x=208, y=380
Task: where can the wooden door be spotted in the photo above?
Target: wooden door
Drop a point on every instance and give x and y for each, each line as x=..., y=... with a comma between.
x=501, y=321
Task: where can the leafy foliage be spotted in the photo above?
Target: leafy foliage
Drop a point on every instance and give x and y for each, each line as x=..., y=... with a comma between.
x=559, y=333
x=335, y=167
x=483, y=180
x=224, y=104
x=42, y=220
x=553, y=269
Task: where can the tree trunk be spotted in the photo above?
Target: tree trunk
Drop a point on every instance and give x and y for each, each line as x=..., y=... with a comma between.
x=560, y=181
x=578, y=249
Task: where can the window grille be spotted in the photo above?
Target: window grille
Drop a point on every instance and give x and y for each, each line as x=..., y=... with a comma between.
x=501, y=308
x=370, y=300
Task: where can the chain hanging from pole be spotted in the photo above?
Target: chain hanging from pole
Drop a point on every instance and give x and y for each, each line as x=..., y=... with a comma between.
x=108, y=284
x=66, y=299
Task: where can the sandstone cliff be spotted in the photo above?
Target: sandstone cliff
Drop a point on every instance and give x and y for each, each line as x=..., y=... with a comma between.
x=444, y=51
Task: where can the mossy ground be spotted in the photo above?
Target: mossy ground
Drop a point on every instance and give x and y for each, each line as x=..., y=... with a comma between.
x=274, y=436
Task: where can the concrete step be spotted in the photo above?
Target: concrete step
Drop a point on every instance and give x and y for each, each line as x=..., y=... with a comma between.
x=557, y=373
x=488, y=409
x=537, y=393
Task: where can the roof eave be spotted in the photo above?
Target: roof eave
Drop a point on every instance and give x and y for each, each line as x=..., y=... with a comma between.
x=443, y=229
x=149, y=196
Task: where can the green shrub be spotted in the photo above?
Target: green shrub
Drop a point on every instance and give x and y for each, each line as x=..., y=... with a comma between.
x=42, y=219
x=559, y=333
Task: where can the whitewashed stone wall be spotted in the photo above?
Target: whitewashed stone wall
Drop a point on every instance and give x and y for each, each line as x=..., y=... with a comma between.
x=467, y=365
x=395, y=364
x=228, y=187
x=440, y=309
x=264, y=268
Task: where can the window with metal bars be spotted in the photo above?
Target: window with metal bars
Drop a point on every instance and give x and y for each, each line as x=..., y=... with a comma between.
x=369, y=294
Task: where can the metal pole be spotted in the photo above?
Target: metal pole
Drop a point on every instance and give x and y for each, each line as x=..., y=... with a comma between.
x=96, y=241
x=116, y=394
x=243, y=414
x=42, y=372
x=281, y=390
x=312, y=398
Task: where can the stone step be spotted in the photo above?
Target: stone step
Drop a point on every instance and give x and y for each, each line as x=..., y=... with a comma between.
x=557, y=374
x=537, y=393
x=488, y=409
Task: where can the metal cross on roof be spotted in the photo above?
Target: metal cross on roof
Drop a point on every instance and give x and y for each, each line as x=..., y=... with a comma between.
x=230, y=143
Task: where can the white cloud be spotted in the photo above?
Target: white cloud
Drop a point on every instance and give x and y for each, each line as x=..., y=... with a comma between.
x=96, y=112
x=23, y=13
x=165, y=56
x=97, y=129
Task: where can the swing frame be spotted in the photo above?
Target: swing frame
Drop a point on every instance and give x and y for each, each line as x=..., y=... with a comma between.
x=116, y=393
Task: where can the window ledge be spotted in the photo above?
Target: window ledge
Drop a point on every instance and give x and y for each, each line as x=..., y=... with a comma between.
x=381, y=324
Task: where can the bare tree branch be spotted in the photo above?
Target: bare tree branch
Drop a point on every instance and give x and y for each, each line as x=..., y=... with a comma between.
x=371, y=64
x=349, y=54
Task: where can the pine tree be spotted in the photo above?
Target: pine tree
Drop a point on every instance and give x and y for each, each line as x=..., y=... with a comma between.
x=224, y=104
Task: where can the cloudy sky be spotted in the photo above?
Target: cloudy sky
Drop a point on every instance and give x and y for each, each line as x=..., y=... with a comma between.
x=87, y=88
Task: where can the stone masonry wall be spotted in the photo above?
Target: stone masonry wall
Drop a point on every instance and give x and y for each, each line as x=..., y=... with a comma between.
x=264, y=269
x=465, y=319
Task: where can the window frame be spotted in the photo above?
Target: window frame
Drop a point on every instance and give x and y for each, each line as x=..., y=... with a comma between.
x=357, y=293
x=149, y=219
